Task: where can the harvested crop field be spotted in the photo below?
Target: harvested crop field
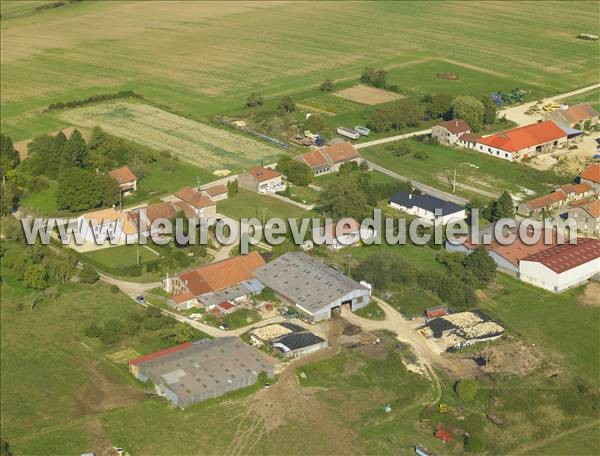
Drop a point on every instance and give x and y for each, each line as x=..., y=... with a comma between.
x=367, y=95
x=194, y=142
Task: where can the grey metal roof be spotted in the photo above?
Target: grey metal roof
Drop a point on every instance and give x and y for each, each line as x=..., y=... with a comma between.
x=208, y=368
x=307, y=282
x=427, y=202
x=296, y=341
x=237, y=291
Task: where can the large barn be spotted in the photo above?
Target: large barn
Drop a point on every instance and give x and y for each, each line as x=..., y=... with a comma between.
x=315, y=288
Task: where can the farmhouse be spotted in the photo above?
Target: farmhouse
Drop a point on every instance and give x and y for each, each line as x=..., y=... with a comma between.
x=215, y=193
x=562, y=266
x=342, y=234
x=201, y=207
x=523, y=142
x=329, y=159
x=125, y=178
x=182, y=301
x=290, y=339
x=225, y=280
x=575, y=116
x=262, y=180
x=315, y=288
x=587, y=216
x=193, y=372
x=546, y=203
x=575, y=192
x=591, y=176
x=426, y=206
x=448, y=133
x=107, y=224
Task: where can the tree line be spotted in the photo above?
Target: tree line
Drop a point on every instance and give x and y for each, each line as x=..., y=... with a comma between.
x=93, y=99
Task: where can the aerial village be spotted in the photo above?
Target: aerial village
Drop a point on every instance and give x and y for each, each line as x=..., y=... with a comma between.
x=441, y=343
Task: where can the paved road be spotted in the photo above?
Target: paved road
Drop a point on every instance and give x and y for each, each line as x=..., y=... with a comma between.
x=517, y=113
x=392, y=138
x=422, y=187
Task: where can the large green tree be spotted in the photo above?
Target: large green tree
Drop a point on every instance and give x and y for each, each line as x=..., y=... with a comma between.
x=81, y=189
x=470, y=110
x=489, y=110
x=503, y=207
x=480, y=266
x=439, y=106
x=343, y=198
x=396, y=116
x=295, y=171
x=9, y=157
x=76, y=150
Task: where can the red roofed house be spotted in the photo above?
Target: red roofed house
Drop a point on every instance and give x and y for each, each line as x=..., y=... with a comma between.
x=216, y=192
x=329, y=159
x=587, y=216
x=575, y=192
x=449, y=132
x=576, y=114
x=225, y=308
x=591, y=176
x=546, y=203
x=196, y=204
x=262, y=180
x=562, y=266
x=443, y=435
x=215, y=276
x=125, y=178
x=182, y=301
x=523, y=142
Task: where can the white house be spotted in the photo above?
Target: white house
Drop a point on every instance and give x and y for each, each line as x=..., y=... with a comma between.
x=262, y=180
x=342, y=234
x=425, y=206
x=449, y=132
x=563, y=266
x=107, y=224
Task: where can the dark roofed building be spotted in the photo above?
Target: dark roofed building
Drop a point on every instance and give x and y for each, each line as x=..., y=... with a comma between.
x=299, y=344
x=201, y=370
x=425, y=206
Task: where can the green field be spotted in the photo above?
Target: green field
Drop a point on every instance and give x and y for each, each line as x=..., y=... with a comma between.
x=473, y=169
x=122, y=255
x=247, y=204
x=593, y=97
x=212, y=58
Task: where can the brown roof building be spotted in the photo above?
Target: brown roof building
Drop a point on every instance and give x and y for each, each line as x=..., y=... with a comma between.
x=125, y=178
x=591, y=176
x=548, y=202
x=262, y=180
x=449, y=132
x=216, y=192
x=194, y=198
x=328, y=159
x=575, y=114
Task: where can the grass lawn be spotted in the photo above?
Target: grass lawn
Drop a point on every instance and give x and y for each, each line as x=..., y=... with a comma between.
x=237, y=319
x=472, y=168
x=247, y=204
x=400, y=37
x=593, y=97
x=43, y=202
x=304, y=195
x=371, y=311
x=121, y=255
x=559, y=323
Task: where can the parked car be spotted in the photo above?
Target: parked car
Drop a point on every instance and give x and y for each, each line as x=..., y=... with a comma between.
x=141, y=299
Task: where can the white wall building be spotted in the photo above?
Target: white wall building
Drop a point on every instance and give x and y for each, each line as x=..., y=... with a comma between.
x=424, y=207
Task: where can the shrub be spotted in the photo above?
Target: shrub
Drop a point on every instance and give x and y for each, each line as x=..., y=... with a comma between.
x=88, y=275
x=466, y=389
x=93, y=331
x=114, y=289
x=473, y=444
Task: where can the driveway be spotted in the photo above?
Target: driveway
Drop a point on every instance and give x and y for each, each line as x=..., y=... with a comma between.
x=376, y=142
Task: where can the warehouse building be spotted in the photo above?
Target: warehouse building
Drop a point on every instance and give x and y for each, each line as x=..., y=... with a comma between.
x=197, y=371
x=562, y=266
x=315, y=288
x=425, y=207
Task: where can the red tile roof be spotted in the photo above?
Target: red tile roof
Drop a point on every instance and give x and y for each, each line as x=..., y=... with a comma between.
x=181, y=297
x=314, y=158
x=524, y=137
x=546, y=200
x=469, y=137
x=576, y=189
x=222, y=274
x=592, y=173
x=193, y=198
x=593, y=207
x=565, y=257
x=226, y=305
x=455, y=126
x=264, y=174
x=340, y=152
x=159, y=354
x=444, y=436
x=578, y=113
x=122, y=175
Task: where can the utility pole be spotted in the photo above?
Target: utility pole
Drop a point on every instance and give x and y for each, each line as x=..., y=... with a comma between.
x=137, y=254
x=454, y=182
x=198, y=182
x=121, y=200
x=348, y=267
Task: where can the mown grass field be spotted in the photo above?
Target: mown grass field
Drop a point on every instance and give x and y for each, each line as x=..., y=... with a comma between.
x=193, y=142
x=473, y=169
x=203, y=61
x=247, y=204
x=122, y=255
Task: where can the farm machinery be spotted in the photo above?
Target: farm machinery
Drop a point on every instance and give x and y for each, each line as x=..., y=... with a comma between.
x=514, y=96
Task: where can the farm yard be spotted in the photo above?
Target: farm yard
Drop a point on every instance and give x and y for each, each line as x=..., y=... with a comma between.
x=193, y=142
x=175, y=72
